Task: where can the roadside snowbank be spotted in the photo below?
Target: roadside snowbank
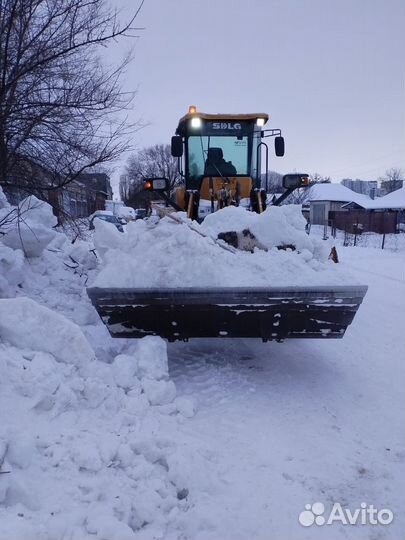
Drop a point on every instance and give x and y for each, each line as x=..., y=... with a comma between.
x=83, y=447
x=88, y=444
x=26, y=324
x=168, y=254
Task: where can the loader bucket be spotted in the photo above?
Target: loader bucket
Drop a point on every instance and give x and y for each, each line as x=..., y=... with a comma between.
x=272, y=313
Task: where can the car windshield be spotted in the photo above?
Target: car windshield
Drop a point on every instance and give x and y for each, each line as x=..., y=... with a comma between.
x=110, y=219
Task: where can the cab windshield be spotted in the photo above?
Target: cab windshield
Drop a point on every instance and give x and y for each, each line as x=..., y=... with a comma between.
x=217, y=155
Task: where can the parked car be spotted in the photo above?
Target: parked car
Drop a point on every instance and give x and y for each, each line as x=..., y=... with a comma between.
x=126, y=212
x=140, y=213
x=106, y=215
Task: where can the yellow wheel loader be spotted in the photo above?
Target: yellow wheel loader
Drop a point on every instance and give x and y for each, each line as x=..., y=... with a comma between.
x=222, y=155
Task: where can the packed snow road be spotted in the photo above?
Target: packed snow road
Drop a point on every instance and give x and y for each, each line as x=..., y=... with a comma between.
x=284, y=425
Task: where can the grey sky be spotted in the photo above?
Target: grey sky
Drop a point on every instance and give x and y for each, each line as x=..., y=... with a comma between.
x=330, y=73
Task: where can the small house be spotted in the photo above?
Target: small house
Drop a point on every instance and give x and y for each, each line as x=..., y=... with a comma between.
x=326, y=200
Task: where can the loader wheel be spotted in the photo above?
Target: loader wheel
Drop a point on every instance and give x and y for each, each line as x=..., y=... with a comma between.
x=192, y=200
x=258, y=200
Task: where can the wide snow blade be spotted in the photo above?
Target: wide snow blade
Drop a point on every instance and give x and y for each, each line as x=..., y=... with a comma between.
x=268, y=313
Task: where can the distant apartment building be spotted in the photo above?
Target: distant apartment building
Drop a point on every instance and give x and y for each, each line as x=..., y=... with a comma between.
x=364, y=187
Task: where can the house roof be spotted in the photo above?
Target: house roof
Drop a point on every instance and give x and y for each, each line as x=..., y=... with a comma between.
x=394, y=201
x=336, y=193
x=339, y=193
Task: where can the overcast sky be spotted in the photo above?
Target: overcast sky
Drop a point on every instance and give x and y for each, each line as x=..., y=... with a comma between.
x=330, y=73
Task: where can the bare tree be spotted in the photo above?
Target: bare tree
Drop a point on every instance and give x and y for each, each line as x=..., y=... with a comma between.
x=317, y=178
x=60, y=108
x=153, y=161
x=274, y=182
x=393, y=180
x=299, y=196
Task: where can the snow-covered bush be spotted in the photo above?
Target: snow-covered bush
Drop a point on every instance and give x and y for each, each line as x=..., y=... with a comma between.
x=30, y=226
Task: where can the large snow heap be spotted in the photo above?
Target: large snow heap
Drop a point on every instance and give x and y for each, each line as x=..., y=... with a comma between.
x=88, y=440
x=164, y=253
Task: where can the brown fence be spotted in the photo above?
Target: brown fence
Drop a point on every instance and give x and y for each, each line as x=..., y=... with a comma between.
x=363, y=220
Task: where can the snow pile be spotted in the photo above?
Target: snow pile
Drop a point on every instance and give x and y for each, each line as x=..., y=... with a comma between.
x=85, y=446
x=108, y=236
x=46, y=331
x=43, y=275
x=168, y=254
x=230, y=218
x=83, y=253
x=88, y=445
x=277, y=226
x=11, y=270
x=3, y=200
x=29, y=226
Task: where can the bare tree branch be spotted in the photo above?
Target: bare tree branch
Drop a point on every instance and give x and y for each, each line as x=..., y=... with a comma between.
x=154, y=161
x=393, y=180
x=60, y=107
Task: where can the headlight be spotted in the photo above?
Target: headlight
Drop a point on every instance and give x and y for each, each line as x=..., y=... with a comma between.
x=196, y=122
x=260, y=122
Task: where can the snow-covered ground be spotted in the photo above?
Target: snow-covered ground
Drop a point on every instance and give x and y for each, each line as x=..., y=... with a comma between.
x=117, y=439
x=391, y=242
x=283, y=425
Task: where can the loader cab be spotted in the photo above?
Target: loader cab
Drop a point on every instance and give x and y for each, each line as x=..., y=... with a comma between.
x=207, y=136
x=222, y=160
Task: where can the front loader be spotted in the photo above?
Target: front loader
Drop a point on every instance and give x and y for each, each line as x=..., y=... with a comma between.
x=222, y=155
